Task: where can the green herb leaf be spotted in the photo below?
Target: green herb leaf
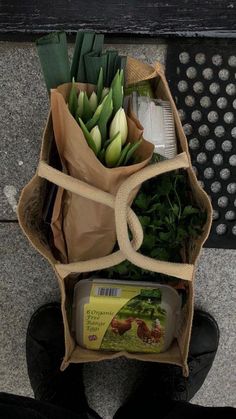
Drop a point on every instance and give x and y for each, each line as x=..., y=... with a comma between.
x=189, y=210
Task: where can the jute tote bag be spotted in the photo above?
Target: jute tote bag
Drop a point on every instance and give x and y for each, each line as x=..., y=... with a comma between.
x=31, y=221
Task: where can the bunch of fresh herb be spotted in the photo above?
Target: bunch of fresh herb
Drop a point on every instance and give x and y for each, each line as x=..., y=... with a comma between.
x=103, y=121
x=169, y=220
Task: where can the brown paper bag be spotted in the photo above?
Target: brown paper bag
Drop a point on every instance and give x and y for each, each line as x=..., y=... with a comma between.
x=84, y=229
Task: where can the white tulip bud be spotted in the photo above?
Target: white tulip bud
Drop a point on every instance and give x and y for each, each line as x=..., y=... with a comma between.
x=80, y=108
x=97, y=138
x=119, y=124
x=113, y=151
x=93, y=101
x=105, y=92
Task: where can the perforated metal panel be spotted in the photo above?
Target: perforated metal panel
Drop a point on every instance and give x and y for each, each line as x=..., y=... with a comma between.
x=202, y=78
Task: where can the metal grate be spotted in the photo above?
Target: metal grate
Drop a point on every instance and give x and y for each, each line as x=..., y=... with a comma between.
x=202, y=78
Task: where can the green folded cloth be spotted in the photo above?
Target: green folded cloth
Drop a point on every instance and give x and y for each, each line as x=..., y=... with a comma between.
x=53, y=55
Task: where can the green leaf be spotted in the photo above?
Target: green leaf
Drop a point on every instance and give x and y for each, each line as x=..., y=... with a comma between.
x=101, y=155
x=100, y=85
x=88, y=137
x=76, y=54
x=88, y=113
x=181, y=234
x=176, y=210
x=144, y=220
x=131, y=151
x=154, y=208
x=105, y=115
x=93, y=121
x=165, y=236
x=117, y=90
x=142, y=201
x=98, y=43
x=122, y=78
x=149, y=242
x=160, y=254
x=123, y=154
x=53, y=54
x=73, y=100
x=188, y=210
x=85, y=48
x=165, y=186
x=111, y=59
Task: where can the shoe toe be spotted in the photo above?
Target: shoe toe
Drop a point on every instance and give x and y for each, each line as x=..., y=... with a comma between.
x=46, y=323
x=205, y=334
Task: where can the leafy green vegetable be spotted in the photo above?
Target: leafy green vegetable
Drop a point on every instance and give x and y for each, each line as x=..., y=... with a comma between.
x=169, y=220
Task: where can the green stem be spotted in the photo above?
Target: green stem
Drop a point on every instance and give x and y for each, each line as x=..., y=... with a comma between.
x=177, y=196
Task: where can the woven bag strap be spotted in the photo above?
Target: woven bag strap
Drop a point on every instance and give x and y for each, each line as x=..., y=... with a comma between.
x=180, y=270
x=123, y=214
x=87, y=191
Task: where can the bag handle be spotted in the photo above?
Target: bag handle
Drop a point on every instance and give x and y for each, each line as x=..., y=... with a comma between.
x=179, y=270
x=122, y=213
x=87, y=191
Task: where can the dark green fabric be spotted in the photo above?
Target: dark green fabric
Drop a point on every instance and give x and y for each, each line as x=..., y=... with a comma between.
x=76, y=55
x=53, y=55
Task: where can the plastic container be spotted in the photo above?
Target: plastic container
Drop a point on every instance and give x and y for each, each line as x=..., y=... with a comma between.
x=114, y=315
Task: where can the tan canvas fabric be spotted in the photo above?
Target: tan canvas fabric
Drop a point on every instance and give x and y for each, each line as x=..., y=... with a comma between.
x=118, y=201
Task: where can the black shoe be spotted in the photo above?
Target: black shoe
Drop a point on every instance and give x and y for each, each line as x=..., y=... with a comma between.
x=44, y=354
x=202, y=350
x=163, y=382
